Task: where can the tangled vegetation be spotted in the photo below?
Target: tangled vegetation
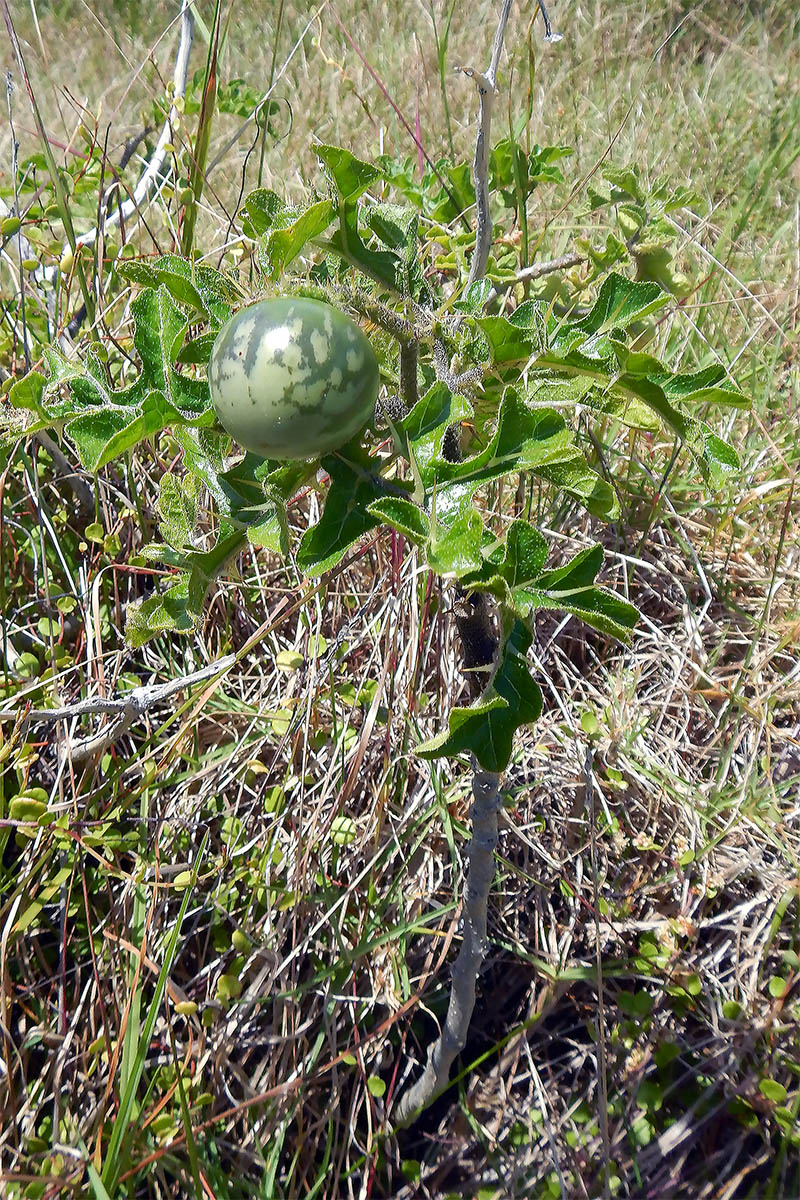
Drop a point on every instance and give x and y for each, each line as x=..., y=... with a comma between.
x=248, y=700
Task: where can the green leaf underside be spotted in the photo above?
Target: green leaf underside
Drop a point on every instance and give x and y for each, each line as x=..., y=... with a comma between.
x=619, y=303
x=508, y=343
x=198, y=350
x=550, y=386
x=486, y=729
x=398, y=229
x=474, y=298
x=350, y=176
x=517, y=560
x=454, y=549
x=171, y=610
x=571, y=589
x=384, y=266
x=252, y=495
x=28, y=393
x=178, y=508
x=262, y=210
x=403, y=515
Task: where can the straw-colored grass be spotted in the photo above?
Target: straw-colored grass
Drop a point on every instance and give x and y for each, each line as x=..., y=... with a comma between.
x=636, y=1032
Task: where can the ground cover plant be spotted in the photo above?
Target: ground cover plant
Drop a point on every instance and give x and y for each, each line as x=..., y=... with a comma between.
x=234, y=814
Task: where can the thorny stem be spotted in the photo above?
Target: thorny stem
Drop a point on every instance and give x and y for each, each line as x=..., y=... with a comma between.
x=375, y=310
x=474, y=621
x=435, y=1077
x=409, y=336
x=479, y=643
x=473, y=618
x=464, y=383
x=409, y=393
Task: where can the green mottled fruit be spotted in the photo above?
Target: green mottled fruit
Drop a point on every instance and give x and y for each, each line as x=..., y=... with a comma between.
x=292, y=378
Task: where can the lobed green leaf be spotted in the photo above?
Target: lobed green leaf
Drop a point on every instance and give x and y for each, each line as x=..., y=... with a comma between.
x=486, y=729
x=347, y=515
x=195, y=285
x=350, y=176
x=512, y=571
x=526, y=439
x=280, y=247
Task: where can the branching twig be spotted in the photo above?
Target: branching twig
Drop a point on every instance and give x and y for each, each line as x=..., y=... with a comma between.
x=486, y=92
x=563, y=263
x=134, y=705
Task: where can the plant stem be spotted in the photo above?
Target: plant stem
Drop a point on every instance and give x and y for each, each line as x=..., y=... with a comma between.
x=203, y=137
x=408, y=374
x=474, y=621
x=486, y=93
x=436, y=1076
x=473, y=615
x=441, y=59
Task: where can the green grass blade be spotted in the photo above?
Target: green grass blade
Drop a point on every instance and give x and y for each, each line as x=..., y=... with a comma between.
x=52, y=170
x=186, y=1119
x=111, y=1167
x=203, y=136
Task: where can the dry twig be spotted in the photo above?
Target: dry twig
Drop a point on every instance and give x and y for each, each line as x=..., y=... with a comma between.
x=136, y=704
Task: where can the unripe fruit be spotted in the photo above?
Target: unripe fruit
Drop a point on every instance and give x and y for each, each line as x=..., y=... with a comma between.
x=292, y=378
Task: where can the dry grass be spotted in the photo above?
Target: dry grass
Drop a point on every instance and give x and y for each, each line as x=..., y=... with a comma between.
x=642, y=985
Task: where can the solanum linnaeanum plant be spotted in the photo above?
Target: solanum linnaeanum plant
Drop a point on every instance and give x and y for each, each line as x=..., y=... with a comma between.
x=476, y=390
